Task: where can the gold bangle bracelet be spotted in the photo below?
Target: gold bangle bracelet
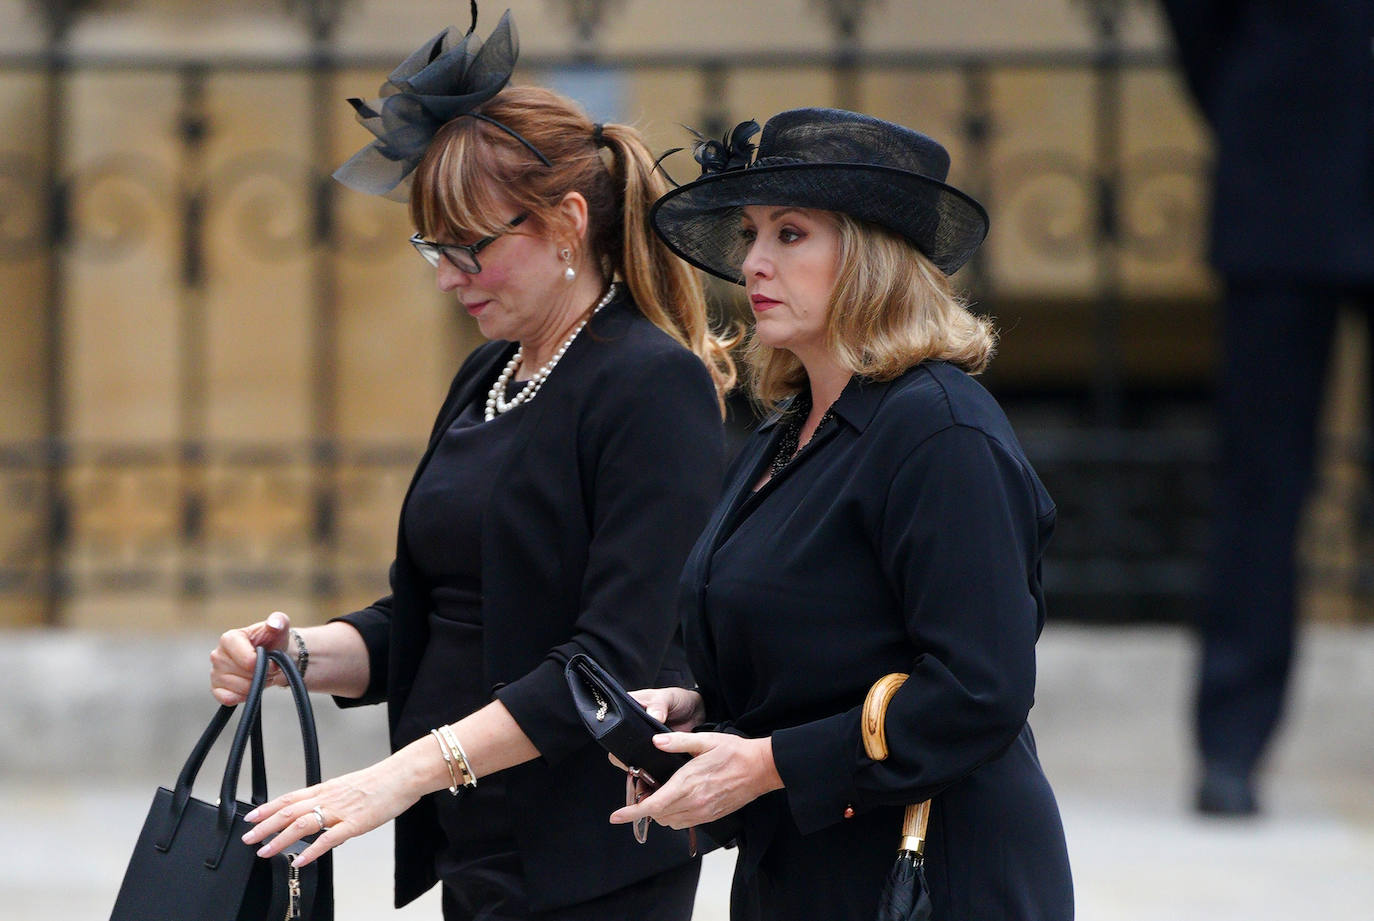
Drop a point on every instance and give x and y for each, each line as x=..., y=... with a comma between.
x=448, y=761
x=459, y=756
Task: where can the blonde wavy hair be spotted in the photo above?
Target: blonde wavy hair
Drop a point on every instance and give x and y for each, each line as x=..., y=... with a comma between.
x=455, y=192
x=890, y=310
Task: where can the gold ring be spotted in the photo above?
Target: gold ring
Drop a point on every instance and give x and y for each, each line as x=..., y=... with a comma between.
x=319, y=814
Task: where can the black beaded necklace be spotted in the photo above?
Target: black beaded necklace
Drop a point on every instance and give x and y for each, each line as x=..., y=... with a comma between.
x=790, y=426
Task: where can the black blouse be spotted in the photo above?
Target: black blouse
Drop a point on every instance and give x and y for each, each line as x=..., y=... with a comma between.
x=443, y=523
x=443, y=519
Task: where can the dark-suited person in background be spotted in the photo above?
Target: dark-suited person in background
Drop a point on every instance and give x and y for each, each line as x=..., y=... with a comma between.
x=1288, y=89
x=572, y=465
x=883, y=519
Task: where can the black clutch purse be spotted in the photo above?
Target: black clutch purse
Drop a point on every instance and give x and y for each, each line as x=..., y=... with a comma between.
x=618, y=722
x=622, y=726
x=190, y=861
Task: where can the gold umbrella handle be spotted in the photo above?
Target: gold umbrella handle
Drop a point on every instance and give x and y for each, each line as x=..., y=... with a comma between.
x=917, y=815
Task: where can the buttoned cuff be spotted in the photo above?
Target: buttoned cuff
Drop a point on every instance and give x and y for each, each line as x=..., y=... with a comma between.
x=816, y=762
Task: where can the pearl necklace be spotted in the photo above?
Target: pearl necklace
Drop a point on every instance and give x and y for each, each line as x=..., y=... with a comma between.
x=496, y=397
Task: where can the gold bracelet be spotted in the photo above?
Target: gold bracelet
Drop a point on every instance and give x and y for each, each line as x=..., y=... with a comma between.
x=460, y=756
x=448, y=760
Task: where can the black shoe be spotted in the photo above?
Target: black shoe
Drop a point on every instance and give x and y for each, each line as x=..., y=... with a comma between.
x=1226, y=793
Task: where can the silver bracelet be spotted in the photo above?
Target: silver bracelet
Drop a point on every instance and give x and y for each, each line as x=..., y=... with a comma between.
x=302, y=654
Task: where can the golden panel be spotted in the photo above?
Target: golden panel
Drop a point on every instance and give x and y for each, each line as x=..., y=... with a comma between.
x=124, y=553
x=398, y=341
x=23, y=539
x=123, y=515
x=758, y=93
x=242, y=607
x=931, y=102
x=122, y=335
x=133, y=611
x=659, y=103
x=369, y=508
x=259, y=517
x=1164, y=190
x=1040, y=176
x=259, y=303
x=23, y=266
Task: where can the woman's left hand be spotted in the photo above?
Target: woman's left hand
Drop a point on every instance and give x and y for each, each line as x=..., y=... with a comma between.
x=351, y=804
x=725, y=773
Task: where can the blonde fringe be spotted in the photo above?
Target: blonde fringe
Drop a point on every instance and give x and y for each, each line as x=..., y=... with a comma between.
x=454, y=191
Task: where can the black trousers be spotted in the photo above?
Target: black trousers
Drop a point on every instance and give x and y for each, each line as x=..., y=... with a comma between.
x=1277, y=340
x=497, y=894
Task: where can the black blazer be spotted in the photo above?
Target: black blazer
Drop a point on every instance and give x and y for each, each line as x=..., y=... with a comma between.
x=906, y=537
x=618, y=462
x=1288, y=89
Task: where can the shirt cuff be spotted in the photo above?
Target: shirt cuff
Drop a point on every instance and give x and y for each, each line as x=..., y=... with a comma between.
x=816, y=762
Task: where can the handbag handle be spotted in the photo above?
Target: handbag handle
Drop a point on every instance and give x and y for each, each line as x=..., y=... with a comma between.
x=250, y=722
x=874, y=729
x=181, y=792
x=247, y=734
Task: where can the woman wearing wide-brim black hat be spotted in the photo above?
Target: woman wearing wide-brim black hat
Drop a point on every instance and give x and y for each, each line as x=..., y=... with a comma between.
x=884, y=518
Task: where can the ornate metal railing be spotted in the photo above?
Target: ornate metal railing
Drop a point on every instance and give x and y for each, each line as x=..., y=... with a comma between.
x=189, y=527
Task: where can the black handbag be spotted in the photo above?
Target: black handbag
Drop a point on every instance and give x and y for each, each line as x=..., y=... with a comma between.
x=190, y=863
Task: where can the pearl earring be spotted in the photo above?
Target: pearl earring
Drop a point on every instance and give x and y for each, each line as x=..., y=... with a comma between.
x=569, y=273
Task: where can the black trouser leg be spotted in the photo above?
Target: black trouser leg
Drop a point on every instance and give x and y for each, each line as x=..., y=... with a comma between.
x=1276, y=341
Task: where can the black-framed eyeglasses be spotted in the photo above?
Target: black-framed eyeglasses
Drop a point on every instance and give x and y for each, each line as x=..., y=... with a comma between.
x=462, y=256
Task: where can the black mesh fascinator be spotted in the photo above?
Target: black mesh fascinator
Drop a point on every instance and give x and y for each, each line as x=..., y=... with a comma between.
x=828, y=159
x=450, y=75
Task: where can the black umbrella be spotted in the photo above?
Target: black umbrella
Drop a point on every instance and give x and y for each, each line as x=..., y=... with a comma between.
x=906, y=897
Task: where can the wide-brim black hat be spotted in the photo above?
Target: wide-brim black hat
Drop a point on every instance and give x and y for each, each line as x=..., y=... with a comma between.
x=827, y=159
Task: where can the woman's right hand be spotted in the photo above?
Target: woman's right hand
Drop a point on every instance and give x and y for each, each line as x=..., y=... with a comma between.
x=233, y=660
x=682, y=710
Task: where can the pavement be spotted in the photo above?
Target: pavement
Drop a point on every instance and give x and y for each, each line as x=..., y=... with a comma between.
x=92, y=723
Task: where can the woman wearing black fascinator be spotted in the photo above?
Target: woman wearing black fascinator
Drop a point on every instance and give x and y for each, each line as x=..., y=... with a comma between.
x=569, y=470
x=862, y=609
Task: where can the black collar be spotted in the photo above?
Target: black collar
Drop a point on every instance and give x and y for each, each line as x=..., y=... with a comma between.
x=857, y=404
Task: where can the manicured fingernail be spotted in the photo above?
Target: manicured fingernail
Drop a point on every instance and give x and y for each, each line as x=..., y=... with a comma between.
x=276, y=619
x=251, y=817
x=262, y=851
